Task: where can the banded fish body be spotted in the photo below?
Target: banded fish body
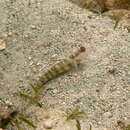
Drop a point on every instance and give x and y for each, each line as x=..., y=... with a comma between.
x=63, y=66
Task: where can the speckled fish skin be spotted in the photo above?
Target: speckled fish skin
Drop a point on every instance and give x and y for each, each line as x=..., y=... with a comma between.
x=65, y=65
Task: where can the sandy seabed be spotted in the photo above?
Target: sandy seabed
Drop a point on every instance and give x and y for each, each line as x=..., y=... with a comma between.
x=38, y=33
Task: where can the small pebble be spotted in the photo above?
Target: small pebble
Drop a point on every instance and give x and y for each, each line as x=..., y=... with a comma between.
x=8, y=102
x=49, y=124
x=26, y=36
x=29, y=57
x=33, y=26
x=108, y=114
x=10, y=34
x=2, y=44
x=55, y=91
